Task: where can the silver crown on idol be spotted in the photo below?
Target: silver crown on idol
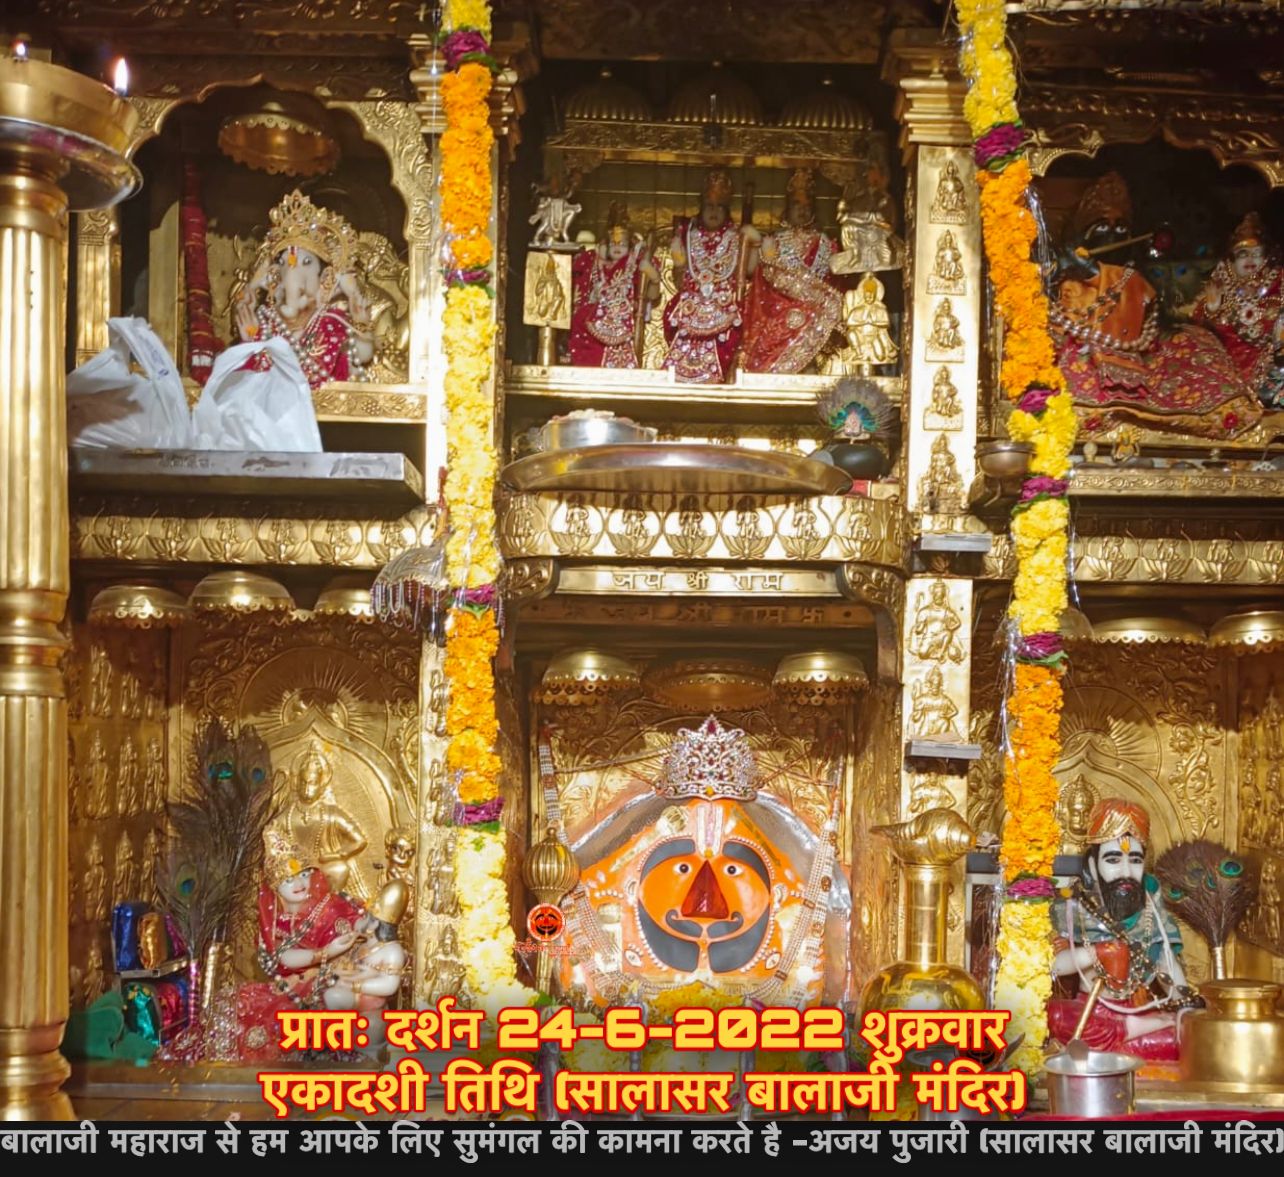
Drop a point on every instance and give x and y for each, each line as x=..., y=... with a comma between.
x=707, y=762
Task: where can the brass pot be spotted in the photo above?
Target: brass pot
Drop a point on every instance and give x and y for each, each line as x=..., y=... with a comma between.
x=1237, y=1042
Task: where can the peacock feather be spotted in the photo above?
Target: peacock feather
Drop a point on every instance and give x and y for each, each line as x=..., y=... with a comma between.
x=856, y=407
x=216, y=834
x=1208, y=886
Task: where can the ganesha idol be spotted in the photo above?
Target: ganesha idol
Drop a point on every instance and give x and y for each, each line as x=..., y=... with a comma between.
x=706, y=881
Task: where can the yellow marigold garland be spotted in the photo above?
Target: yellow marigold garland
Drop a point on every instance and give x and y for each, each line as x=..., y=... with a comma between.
x=486, y=935
x=1044, y=417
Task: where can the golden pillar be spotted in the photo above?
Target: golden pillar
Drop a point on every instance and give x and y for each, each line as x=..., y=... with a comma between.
x=943, y=363
x=62, y=145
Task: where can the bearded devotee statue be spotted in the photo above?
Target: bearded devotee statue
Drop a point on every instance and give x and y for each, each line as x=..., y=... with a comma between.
x=1116, y=927
x=611, y=282
x=791, y=308
x=304, y=929
x=1116, y=356
x=304, y=273
x=703, y=880
x=711, y=259
x=1242, y=301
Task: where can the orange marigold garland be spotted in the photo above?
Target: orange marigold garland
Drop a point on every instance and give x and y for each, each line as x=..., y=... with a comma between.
x=472, y=563
x=1044, y=417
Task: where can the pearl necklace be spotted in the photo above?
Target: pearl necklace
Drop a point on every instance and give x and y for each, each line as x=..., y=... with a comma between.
x=1079, y=324
x=273, y=323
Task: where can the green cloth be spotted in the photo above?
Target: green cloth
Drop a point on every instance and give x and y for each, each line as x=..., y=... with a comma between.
x=99, y=1033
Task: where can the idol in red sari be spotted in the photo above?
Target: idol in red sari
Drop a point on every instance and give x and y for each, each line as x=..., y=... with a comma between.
x=610, y=282
x=304, y=928
x=1243, y=300
x=791, y=308
x=711, y=258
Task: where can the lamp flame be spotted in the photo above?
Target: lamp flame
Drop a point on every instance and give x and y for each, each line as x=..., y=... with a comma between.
x=120, y=81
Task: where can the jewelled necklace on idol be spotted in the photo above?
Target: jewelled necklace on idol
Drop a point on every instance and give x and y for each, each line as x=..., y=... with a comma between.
x=709, y=270
x=1242, y=298
x=1079, y=325
x=273, y=323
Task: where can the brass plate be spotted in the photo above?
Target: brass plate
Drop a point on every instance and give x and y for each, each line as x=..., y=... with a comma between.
x=677, y=468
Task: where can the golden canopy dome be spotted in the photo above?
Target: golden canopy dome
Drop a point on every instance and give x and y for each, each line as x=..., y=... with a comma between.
x=283, y=135
x=826, y=109
x=716, y=97
x=607, y=100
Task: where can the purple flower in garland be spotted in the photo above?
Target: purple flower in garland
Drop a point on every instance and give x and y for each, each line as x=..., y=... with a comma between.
x=477, y=598
x=467, y=277
x=462, y=45
x=1039, y=647
x=1031, y=888
x=998, y=144
x=476, y=815
x=1032, y=488
x=1035, y=400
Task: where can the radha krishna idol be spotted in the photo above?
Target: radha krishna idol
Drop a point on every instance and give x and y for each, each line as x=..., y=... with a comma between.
x=306, y=264
x=1116, y=357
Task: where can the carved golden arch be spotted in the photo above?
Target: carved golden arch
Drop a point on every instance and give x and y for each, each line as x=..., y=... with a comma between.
x=392, y=125
x=1234, y=131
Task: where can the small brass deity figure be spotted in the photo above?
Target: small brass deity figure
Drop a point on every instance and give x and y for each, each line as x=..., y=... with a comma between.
x=947, y=271
x=946, y=340
x=1074, y=810
x=95, y=892
x=316, y=823
x=93, y=982
x=555, y=211
x=1115, y=927
x=151, y=859
x=934, y=635
x=933, y=713
x=865, y=229
x=941, y=487
x=944, y=411
x=304, y=269
x=929, y=791
x=98, y=795
x=550, y=298
x=100, y=676
x=154, y=775
x=399, y=852
x=866, y=327
x=126, y=888
x=949, y=205
x=129, y=798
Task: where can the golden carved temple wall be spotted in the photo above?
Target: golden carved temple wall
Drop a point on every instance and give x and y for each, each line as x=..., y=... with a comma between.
x=118, y=782
x=1159, y=724
x=336, y=699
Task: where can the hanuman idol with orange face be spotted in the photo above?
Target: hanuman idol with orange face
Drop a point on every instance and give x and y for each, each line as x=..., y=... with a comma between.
x=610, y=285
x=711, y=258
x=707, y=882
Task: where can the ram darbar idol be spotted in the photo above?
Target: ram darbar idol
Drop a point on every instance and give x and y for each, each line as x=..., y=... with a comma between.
x=610, y=281
x=711, y=258
x=1117, y=356
x=791, y=308
x=704, y=880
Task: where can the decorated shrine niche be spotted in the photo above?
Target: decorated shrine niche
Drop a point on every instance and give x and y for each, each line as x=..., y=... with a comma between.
x=267, y=214
x=1167, y=294
x=689, y=222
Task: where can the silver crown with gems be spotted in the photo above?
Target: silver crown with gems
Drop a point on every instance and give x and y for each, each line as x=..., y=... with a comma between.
x=707, y=762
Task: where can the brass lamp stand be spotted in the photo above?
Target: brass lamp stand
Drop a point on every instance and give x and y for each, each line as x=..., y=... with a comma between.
x=63, y=143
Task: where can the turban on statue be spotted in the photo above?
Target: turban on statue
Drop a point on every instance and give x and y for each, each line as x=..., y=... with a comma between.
x=1113, y=819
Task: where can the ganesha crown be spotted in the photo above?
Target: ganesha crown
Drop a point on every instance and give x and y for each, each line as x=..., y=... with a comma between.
x=709, y=761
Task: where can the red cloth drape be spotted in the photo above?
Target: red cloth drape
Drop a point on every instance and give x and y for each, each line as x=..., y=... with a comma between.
x=202, y=343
